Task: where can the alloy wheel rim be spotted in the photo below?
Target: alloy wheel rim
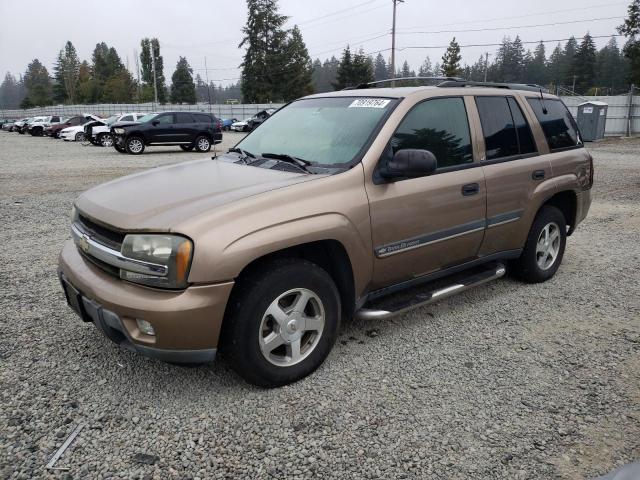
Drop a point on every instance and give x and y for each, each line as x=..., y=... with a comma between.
x=291, y=327
x=135, y=146
x=548, y=246
x=107, y=141
x=203, y=144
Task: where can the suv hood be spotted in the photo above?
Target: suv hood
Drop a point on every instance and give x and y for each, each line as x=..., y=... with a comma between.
x=124, y=124
x=159, y=199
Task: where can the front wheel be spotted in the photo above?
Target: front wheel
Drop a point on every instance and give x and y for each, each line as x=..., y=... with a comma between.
x=282, y=322
x=544, y=248
x=134, y=145
x=105, y=139
x=79, y=137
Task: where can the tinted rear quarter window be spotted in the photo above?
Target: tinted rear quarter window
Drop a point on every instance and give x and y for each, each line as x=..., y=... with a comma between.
x=557, y=123
x=202, y=118
x=440, y=126
x=525, y=137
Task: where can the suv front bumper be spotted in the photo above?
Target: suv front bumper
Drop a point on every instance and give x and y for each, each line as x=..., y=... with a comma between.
x=187, y=323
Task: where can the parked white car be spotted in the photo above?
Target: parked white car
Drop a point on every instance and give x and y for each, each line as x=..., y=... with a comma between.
x=36, y=128
x=99, y=133
x=76, y=134
x=241, y=126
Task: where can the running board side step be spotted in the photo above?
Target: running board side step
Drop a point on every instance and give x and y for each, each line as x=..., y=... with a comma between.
x=428, y=297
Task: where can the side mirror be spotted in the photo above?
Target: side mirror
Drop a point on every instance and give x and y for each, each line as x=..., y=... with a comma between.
x=410, y=163
x=155, y=123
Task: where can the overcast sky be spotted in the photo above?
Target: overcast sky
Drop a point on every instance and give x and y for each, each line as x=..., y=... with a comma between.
x=212, y=28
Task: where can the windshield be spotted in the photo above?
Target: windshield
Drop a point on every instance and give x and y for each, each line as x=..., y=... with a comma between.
x=148, y=117
x=111, y=119
x=326, y=131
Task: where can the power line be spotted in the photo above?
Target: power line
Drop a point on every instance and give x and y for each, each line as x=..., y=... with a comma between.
x=304, y=22
x=512, y=27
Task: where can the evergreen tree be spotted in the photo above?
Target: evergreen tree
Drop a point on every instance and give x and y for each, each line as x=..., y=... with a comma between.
x=568, y=66
x=631, y=28
x=202, y=91
x=265, y=56
x=611, y=69
x=476, y=71
x=536, y=66
x=585, y=65
x=406, y=70
x=510, y=62
x=451, y=59
x=380, y=71
x=297, y=81
x=150, y=54
x=38, y=85
x=11, y=92
x=426, y=69
x=183, y=90
x=66, y=73
x=345, y=75
x=555, y=65
x=325, y=74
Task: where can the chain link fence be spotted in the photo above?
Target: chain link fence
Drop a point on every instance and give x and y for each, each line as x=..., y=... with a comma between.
x=239, y=111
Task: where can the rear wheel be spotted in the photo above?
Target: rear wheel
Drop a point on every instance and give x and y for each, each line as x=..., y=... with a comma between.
x=134, y=145
x=544, y=248
x=79, y=137
x=203, y=144
x=105, y=139
x=282, y=322
x=186, y=148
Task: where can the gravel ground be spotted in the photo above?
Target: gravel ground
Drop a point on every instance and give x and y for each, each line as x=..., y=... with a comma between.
x=506, y=381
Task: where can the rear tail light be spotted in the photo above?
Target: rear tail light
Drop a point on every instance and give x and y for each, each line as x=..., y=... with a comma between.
x=218, y=124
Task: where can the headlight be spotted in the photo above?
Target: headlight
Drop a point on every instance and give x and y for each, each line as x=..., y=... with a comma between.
x=172, y=251
x=119, y=131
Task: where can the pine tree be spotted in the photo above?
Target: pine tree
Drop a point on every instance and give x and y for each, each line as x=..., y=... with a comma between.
x=11, y=92
x=150, y=54
x=345, y=75
x=406, y=70
x=38, y=85
x=297, y=81
x=554, y=66
x=611, y=68
x=380, y=71
x=536, y=66
x=510, y=60
x=265, y=57
x=585, y=65
x=451, y=59
x=426, y=69
x=568, y=68
x=631, y=28
x=183, y=90
x=66, y=73
x=202, y=91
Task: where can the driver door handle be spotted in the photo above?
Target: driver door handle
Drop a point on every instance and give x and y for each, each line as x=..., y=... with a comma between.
x=470, y=189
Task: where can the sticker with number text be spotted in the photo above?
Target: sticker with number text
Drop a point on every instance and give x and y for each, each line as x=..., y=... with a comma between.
x=369, y=103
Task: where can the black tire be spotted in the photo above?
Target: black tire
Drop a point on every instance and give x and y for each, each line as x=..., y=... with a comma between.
x=245, y=128
x=119, y=148
x=105, y=139
x=252, y=296
x=528, y=267
x=202, y=144
x=186, y=148
x=79, y=137
x=134, y=145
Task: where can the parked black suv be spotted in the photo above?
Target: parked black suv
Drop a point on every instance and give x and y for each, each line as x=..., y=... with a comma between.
x=188, y=130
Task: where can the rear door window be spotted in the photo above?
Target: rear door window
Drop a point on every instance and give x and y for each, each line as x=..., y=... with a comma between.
x=558, y=125
x=165, y=119
x=439, y=125
x=184, y=118
x=202, y=118
x=499, y=131
x=525, y=137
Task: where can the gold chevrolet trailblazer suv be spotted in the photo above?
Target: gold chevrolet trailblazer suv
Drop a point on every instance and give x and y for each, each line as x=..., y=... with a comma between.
x=363, y=202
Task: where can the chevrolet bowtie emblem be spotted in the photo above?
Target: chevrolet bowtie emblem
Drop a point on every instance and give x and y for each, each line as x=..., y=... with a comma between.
x=83, y=243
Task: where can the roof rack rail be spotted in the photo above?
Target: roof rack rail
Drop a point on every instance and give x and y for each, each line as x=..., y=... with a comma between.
x=532, y=87
x=401, y=79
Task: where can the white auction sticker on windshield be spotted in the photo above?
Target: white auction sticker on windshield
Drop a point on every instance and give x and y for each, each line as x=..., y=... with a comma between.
x=369, y=103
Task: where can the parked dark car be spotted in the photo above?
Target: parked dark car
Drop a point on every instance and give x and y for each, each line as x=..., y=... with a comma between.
x=188, y=130
x=260, y=117
x=5, y=120
x=54, y=130
x=7, y=124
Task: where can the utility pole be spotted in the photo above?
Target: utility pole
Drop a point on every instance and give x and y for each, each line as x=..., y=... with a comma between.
x=573, y=88
x=393, y=39
x=206, y=74
x=153, y=66
x=486, y=65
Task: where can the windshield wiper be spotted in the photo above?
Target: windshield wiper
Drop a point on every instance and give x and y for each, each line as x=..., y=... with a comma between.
x=244, y=154
x=285, y=157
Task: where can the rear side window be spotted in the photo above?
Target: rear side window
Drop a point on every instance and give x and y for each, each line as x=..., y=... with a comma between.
x=184, y=118
x=165, y=119
x=557, y=123
x=202, y=118
x=500, y=136
x=439, y=125
x=525, y=137
x=127, y=118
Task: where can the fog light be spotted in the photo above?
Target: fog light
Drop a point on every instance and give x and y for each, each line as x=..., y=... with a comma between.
x=145, y=327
